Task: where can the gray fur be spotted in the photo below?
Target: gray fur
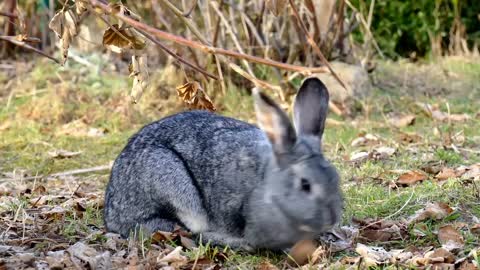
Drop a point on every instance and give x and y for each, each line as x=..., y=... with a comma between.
x=227, y=180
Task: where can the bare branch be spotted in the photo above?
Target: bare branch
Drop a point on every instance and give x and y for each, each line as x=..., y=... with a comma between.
x=206, y=48
x=14, y=40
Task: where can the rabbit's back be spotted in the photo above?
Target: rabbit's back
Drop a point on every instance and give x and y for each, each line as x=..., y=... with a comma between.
x=225, y=158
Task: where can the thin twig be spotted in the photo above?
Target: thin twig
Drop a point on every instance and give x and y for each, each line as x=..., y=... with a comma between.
x=392, y=215
x=65, y=173
x=187, y=13
x=14, y=40
x=176, y=56
x=206, y=48
x=7, y=14
x=315, y=47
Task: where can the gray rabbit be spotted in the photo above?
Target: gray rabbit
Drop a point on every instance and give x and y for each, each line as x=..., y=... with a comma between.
x=227, y=181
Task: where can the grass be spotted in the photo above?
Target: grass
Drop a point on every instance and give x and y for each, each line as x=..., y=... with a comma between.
x=47, y=99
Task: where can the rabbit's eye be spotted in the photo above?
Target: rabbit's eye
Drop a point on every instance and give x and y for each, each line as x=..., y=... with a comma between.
x=305, y=185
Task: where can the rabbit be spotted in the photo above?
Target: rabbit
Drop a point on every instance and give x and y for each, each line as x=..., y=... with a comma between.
x=229, y=182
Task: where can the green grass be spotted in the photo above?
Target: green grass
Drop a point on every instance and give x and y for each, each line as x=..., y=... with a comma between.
x=98, y=99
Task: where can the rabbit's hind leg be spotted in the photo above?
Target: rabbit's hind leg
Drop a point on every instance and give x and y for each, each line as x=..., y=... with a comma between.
x=175, y=188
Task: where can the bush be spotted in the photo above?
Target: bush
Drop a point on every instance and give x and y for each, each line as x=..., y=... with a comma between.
x=403, y=27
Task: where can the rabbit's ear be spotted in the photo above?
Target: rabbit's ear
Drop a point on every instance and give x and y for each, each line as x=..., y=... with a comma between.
x=274, y=122
x=311, y=107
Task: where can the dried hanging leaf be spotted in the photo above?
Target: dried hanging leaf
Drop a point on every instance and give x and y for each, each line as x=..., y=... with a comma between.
x=139, y=71
x=411, y=177
x=118, y=7
x=81, y=6
x=193, y=94
x=450, y=238
x=118, y=39
x=65, y=24
x=276, y=6
x=432, y=210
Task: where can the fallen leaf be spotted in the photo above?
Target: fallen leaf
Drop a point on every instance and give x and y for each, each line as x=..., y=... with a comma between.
x=475, y=229
x=359, y=156
x=265, y=265
x=436, y=211
x=435, y=113
x=402, y=121
x=119, y=39
x=446, y=173
x=367, y=139
x=467, y=266
x=139, y=72
x=440, y=255
x=450, y=238
x=373, y=256
x=81, y=253
x=60, y=153
x=407, y=137
x=302, y=251
x=382, y=152
x=174, y=258
x=411, y=177
x=472, y=172
x=339, y=238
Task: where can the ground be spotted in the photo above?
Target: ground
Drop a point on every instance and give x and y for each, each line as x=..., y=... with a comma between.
x=409, y=159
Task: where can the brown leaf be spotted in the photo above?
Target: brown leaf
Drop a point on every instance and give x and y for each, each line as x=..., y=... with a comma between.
x=450, y=238
x=402, y=121
x=65, y=24
x=193, y=94
x=265, y=265
x=373, y=256
x=302, y=251
x=446, y=173
x=472, y=172
x=339, y=238
x=411, y=177
x=118, y=7
x=467, y=266
x=440, y=255
x=433, y=211
x=435, y=113
x=475, y=229
x=139, y=72
x=160, y=236
x=174, y=258
x=407, y=137
x=119, y=39
x=276, y=6
x=366, y=139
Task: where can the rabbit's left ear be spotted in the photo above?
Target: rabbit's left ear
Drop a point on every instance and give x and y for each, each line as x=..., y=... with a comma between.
x=311, y=108
x=274, y=122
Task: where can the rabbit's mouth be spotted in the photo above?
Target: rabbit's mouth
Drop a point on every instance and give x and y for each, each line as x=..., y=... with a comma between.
x=309, y=222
